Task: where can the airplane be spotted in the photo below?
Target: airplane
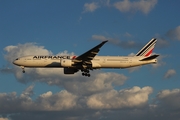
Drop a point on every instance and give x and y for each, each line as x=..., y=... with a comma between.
x=89, y=60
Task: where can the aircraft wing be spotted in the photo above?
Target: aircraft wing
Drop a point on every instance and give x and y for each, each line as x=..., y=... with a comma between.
x=86, y=57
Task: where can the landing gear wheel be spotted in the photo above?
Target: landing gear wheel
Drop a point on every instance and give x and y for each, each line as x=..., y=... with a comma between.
x=85, y=73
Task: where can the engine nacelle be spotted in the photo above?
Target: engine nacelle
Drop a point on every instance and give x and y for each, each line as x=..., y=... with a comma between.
x=95, y=65
x=66, y=63
x=70, y=70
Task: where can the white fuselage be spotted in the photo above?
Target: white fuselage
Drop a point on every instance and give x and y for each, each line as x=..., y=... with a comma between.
x=97, y=62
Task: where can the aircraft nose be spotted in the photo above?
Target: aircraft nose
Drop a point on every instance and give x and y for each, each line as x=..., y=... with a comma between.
x=15, y=62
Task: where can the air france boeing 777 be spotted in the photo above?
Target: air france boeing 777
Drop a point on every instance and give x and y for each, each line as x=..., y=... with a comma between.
x=89, y=61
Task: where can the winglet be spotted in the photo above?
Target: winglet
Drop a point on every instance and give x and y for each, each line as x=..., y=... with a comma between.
x=104, y=42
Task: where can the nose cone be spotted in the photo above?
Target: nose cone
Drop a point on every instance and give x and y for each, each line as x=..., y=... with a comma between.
x=15, y=62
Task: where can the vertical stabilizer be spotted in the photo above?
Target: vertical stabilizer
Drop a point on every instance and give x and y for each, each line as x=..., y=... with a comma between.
x=147, y=49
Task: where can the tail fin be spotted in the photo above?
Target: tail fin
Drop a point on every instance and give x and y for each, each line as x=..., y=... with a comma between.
x=147, y=49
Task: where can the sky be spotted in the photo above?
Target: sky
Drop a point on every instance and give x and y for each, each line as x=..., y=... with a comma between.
x=64, y=27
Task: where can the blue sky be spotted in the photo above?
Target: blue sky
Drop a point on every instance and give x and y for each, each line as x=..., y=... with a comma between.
x=70, y=27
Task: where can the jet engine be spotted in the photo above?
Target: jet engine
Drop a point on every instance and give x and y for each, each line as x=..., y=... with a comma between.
x=70, y=70
x=95, y=65
x=66, y=63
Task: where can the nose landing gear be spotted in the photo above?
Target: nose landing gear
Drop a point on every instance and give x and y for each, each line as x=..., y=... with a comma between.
x=23, y=69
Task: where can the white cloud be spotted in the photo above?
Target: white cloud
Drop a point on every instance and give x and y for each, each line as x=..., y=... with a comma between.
x=76, y=83
x=167, y=93
x=134, y=97
x=144, y=6
x=169, y=99
x=123, y=6
x=97, y=83
x=170, y=73
x=132, y=54
x=11, y=99
x=59, y=101
x=23, y=50
x=174, y=33
x=90, y=7
x=62, y=100
x=28, y=92
x=126, y=103
x=46, y=95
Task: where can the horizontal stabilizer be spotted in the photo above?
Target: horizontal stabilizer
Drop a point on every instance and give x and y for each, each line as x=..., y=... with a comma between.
x=150, y=57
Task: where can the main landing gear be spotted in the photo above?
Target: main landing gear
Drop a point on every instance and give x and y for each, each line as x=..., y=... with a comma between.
x=85, y=73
